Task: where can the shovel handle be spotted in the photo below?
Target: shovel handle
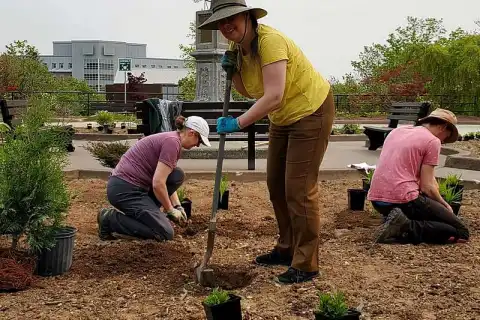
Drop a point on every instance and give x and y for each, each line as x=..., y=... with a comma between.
x=221, y=148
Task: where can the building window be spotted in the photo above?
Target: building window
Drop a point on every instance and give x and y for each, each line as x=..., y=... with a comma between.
x=176, y=67
x=54, y=65
x=60, y=65
x=153, y=66
x=169, y=67
x=144, y=65
x=70, y=65
x=137, y=66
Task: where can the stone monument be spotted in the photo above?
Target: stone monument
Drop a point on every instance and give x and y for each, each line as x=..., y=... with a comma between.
x=210, y=45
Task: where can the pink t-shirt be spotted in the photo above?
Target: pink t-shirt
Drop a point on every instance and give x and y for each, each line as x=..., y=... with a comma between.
x=139, y=163
x=397, y=176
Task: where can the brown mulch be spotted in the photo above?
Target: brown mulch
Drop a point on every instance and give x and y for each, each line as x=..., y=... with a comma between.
x=471, y=145
x=147, y=280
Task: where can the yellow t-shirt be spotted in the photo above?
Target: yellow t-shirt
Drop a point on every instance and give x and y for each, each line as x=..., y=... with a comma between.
x=305, y=88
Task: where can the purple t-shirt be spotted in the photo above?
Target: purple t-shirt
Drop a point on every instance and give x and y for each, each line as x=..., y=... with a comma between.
x=139, y=163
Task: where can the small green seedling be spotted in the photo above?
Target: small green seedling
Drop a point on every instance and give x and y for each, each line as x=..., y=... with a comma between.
x=181, y=194
x=369, y=175
x=223, y=185
x=217, y=296
x=332, y=305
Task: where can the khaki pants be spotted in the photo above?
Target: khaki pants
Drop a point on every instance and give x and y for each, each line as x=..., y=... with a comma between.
x=295, y=153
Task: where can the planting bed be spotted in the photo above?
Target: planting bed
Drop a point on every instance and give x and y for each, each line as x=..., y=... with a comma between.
x=148, y=280
x=472, y=145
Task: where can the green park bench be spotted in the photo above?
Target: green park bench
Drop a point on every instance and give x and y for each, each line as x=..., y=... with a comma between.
x=399, y=111
x=210, y=111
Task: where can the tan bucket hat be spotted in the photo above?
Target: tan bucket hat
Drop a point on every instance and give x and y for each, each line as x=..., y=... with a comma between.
x=222, y=9
x=447, y=116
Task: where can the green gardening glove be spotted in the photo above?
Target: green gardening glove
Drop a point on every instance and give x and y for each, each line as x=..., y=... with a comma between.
x=229, y=61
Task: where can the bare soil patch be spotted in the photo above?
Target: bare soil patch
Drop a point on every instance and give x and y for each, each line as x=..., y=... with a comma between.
x=148, y=280
x=471, y=145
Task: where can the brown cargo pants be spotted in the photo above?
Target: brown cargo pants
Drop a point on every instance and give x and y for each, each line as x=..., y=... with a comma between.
x=295, y=153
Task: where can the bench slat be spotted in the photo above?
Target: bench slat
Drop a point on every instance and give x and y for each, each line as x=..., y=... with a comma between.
x=17, y=103
x=413, y=111
x=407, y=104
x=403, y=117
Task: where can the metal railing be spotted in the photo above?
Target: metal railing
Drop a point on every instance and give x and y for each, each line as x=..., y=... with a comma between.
x=76, y=103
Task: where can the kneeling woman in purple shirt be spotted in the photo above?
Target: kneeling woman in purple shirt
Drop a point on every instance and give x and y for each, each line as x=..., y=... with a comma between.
x=145, y=179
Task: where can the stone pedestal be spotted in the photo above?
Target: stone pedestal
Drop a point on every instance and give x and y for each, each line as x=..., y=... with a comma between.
x=210, y=45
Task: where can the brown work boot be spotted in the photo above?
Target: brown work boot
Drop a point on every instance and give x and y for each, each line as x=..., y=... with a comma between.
x=393, y=228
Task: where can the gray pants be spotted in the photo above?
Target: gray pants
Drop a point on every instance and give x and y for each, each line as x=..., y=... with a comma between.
x=140, y=215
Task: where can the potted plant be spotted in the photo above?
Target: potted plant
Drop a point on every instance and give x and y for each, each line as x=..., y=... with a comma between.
x=224, y=193
x=34, y=200
x=454, y=181
x=185, y=202
x=468, y=136
x=104, y=118
x=332, y=306
x=131, y=122
x=222, y=305
x=451, y=196
x=356, y=199
x=89, y=126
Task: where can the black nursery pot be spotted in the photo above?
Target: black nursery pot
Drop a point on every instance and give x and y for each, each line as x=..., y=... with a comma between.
x=187, y=206
x=132, y=131
x=229, y=310
x=366, y=184
x=356, y=199
x=89, y=126
x=352, y=314
x=122, y=125
x=58, y=259
x=223, y=200
x=100, y=128
x=456, y=207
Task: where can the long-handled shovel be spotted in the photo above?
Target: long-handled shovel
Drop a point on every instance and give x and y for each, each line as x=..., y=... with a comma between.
x=205, y=275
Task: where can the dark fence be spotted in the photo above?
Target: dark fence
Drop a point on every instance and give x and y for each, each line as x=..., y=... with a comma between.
x=73, y=103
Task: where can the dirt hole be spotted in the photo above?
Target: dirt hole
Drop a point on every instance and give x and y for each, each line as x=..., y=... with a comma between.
x=230, y=277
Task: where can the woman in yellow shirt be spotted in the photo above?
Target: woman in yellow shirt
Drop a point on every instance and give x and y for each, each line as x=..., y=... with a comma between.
x=271, y=68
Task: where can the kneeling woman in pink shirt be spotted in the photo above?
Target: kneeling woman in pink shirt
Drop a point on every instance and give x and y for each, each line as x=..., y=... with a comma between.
x=404, y=188
x=145, y=179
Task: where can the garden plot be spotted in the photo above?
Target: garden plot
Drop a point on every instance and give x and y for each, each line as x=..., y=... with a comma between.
x=149, y=280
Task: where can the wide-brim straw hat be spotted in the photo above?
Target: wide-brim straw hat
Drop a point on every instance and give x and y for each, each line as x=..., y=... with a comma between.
x=222, y=9
x=449, y=118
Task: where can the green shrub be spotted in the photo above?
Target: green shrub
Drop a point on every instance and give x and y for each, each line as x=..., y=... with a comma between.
x=34, y=198
x=108, y=154
x=350, y=129
x=217, y=296
x=104, y=118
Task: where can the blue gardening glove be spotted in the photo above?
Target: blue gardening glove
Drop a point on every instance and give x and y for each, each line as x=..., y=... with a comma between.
x=229, y=60
x=227, y=125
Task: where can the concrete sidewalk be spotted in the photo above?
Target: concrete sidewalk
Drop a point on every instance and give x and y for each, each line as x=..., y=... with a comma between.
x=338, y=156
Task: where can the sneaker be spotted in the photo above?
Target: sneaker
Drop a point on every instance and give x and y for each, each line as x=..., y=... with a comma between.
x=293, y=275
x=273, y=258
x=394, y=226
x=103, y=231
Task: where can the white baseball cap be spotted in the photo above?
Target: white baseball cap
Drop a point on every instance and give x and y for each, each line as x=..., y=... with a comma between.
x=200, y=125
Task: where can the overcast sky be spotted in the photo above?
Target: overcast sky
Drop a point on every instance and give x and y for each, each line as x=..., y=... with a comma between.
x=331, y=32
